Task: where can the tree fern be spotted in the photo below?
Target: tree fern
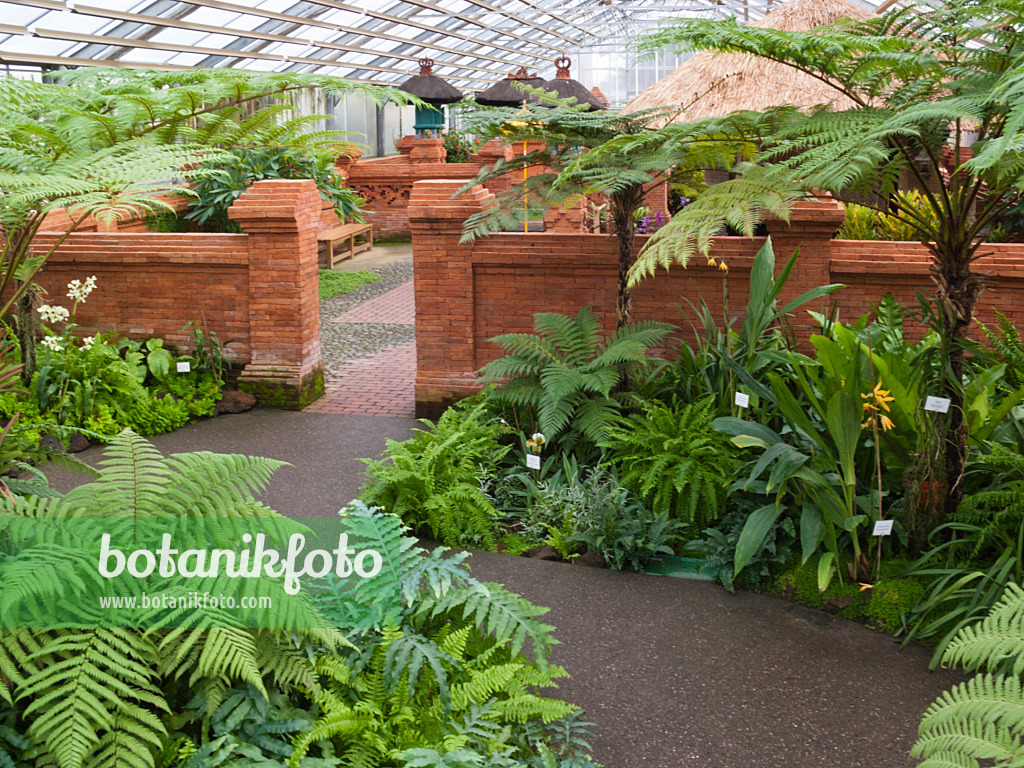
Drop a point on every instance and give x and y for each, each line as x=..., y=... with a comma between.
x=568, y=373
x=919, y=80
x=981, y=722
x=95, y=695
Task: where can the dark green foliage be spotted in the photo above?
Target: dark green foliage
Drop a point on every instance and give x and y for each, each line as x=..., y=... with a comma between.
x=591, y=510
x=674, y=461
x=95, y=389
x=207, y=353
x=94, y=698
x=1006, y=344
x=432, y=481
x=448, y=671
x=167, y=222
x=974, y=557
x=334, y=283
x=569, y=375
x=226, y=178
x=718, y=548
x=980, y=722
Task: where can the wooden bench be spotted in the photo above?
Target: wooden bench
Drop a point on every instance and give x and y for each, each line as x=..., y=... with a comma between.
x=345, y=237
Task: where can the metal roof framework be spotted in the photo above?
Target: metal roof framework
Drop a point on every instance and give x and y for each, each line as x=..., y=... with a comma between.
x=473, y=42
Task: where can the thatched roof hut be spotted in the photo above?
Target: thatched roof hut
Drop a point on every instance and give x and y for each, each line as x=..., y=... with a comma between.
x=710, y=84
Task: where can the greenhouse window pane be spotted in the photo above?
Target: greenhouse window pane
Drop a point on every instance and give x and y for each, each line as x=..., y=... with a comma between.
x=20, y=15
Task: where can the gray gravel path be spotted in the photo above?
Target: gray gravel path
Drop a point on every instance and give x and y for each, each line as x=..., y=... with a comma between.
x=343, y=342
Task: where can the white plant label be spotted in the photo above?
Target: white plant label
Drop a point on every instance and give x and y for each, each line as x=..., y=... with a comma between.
x=882, y=528
x=533, y=461
x=937, y=404
x=742, y=400
x=184, y=367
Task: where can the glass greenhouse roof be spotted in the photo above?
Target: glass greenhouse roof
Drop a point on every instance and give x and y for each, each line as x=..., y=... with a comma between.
x=473, y=42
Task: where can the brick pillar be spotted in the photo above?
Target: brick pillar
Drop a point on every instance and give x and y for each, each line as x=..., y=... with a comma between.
x=445, y=343
x=282, y=218
x=812, y=225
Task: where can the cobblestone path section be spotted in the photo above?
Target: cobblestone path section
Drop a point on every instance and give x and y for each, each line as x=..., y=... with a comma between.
x=369, y=347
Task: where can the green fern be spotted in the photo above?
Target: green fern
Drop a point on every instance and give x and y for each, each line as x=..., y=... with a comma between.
x=1006, y=343
x=96, y=697
x=432, y=481
x=981, y=722
x=569, y=374
x=673, y=460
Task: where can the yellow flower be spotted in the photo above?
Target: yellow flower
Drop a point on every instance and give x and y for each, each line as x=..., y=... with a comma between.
x=723, y=267
x=886, y=423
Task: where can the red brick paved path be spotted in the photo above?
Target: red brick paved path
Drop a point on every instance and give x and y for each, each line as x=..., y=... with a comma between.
x=380, y=384
x=396, y=307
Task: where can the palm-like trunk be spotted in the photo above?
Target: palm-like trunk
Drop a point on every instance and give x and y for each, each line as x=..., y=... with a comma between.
x=957, y=292
x=624, y=207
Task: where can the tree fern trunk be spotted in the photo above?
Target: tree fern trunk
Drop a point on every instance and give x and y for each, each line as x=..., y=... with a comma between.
x=957, y=291
x=624, y=206
x=26, y=319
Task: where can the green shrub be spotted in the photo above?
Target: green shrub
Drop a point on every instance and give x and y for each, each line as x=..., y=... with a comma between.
x=459, y=668
x=591, y=509
x=433, y=480
x=863, y=223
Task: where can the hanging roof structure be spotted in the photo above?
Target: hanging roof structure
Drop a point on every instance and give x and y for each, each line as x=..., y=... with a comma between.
x=711, y=84
x=473, y=42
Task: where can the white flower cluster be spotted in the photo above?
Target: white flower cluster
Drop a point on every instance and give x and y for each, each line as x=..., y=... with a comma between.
x=88, y=341
x=78, y=291
x=54, y=314
x=53, y=342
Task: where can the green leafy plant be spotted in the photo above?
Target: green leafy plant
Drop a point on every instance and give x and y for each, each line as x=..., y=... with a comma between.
x=569, y=375
x=673, y=460
x=207, y=353
x=459, y=146
x=980, y=722
x=718, y=549
x=975, y=556
x=865, y=223
x=725, y=360
x=228, y=176
x=448, y=682
x=433, y=480
x=591, y=509
x=916, y=86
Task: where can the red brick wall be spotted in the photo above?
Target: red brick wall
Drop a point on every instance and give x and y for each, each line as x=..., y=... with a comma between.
x=140, y=280
x=385, y=184
x=259, y=289
x=468, y=293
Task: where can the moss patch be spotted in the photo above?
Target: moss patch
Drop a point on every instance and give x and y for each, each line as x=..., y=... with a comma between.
x=272, y=393
x=881, y=607
x=336, y=283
